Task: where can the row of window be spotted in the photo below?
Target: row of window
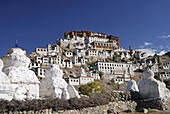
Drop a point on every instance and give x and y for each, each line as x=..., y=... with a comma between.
x=42, y=50
x=164, y=75
x=119, y=79
x=105, y=45
x=86, y=79
x=112, y=64
x=74, y=80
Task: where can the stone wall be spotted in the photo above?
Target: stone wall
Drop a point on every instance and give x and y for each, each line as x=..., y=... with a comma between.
x=157, y=103
x=120, y=96
x=112, y=107
x=119, y=102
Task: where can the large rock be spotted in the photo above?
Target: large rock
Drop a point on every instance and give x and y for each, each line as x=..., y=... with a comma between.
x=152, y=88
x=22, y=79
x=54, y=86
x=132, y=86
x=6, y=92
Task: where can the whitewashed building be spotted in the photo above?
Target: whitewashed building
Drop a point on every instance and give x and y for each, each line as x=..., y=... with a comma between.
x=73, y=80
x=89, y=40
x=55, y=60
x=92, y=52
x=154, y=68
x=40, y=72
x=72, y=42
x=68, y=63
x=34, y=65
x=68, y=54
x=103, y=54
x=86, y=79
x=166, y=65
x=63, y=64
x=45, y=60
x=53, y=49
x=164, y=75
x=42, y=51
x=80, y=52
x=78, y=61
x=38, y=59
x=94, y=74
x=118, y=80
x=114, y=68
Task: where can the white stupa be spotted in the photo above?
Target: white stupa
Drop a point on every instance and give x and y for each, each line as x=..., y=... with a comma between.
x=132, y=86
x=54, y=86
x=24, y=81
x=6, y=92
x=152, y=88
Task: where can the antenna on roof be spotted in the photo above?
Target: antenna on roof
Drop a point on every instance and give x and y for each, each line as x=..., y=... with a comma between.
x=16, y=43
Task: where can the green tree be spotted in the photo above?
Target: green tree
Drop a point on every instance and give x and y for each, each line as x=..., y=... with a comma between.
x=92, y=65
x=101, y=74
x=158, y=59
x=130, y=49
x=92, y=87
x=115, y=57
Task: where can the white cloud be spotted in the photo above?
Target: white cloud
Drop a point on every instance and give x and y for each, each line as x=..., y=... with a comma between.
x=149, y=52
x=160, y=47
x=147, y=44
x=162, y=52
x=164, y=36
x=141, y=47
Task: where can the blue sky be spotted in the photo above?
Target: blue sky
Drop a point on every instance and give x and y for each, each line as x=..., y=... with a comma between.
x=143, y=24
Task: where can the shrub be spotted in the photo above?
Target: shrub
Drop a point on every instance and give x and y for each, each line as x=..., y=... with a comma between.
x=101, y=74
x=113, y=81
x=90, y=88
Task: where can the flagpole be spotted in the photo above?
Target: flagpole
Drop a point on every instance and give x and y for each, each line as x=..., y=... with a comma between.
x=16, y=43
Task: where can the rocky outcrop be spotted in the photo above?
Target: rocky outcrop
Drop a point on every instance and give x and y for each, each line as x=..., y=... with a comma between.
x=54, y=86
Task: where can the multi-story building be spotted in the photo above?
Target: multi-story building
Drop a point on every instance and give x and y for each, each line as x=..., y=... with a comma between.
x=72, y=80
x=92, y=52
x=104, y=45
x=34, y=65
x=113, y=38
x=42, y=51
x=68, y=54
x=164, y=75
x=55, y=60
x=166, y=65
x=78, y=61
x=84, y=34
x=40, y=72
x=94, y=74
x=53, y=49
x=114, y=68
x=45, y=60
